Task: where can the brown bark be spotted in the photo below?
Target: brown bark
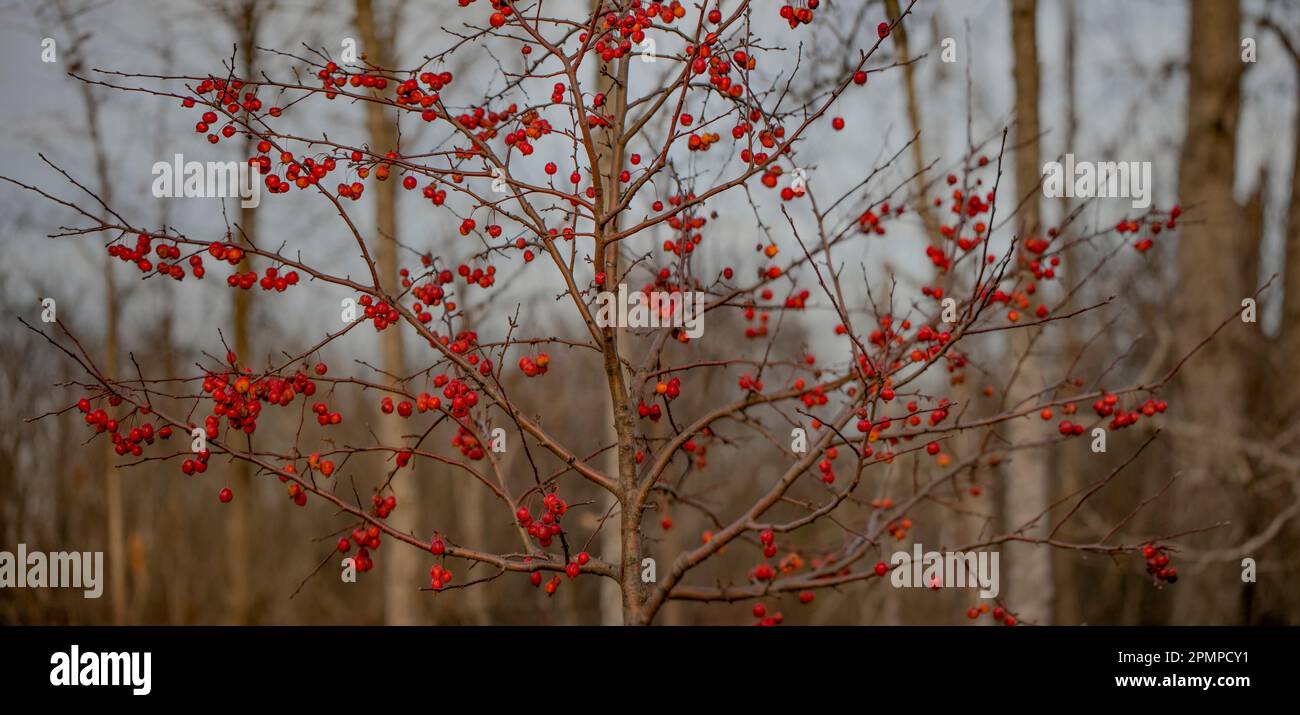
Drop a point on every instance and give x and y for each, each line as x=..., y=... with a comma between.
x=238, y=551
x=1027, y=492
x=116, y=556
x=611, y=81
x=899, y=35
x=1205, y=183
x=1213, y=381
x=401, y=572
x=1069, y=456
x=1289, y=335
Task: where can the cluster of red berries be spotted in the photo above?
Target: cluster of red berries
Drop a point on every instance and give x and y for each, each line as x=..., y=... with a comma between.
x=429, y=294
x=131, y=442
x=484, y=122
x=1108, y=405
x=702, y=141
x=383, y=506
x=755, y=332
x=439, y=577
x=825, y=466
x=404, y=457
x=637, y=18
x=749, y=384
x=324, y=417
x=198, y=464
x=174, y=270
x=898, y=529
x=547, y=527
x=619, y=32
x=468, y=444
x=1134, y=227
x=297, y=494
x=226, y=252
x=461, y=395
x=271, y=279
x=227, y=97
x=1158, y=564
x=380, y=313
x=1070, y=429
x=761, y=616
x=410, y=94
x=435, y=195
x=139, y=256
x=671, y=390
x=324, y=466
x=816, y=397
x=719, y=68
x=999, y=614
x=532, y=367
x=404, y=408
x=478, y=276
x=762, y=572
x=303, y=174
x=800, y=13
x=134, y=440
x=772, y=174
x=238, y=396
x=652, y=411
x=574, y=567
x=367, y=540
x=767, y=139
x=552, y=586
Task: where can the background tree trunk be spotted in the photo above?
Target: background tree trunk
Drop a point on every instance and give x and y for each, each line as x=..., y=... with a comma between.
x=1027, y=490
x=899, y=35
x=1212, y=237
x=116, y=556
x=611, y=80
x=245, y=17
x=401, y=570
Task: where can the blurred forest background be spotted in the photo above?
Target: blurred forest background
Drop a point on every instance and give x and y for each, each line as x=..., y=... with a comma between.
x=1152, y=80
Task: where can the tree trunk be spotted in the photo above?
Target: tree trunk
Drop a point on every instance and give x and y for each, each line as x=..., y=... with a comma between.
x=1026, y=490
x=238, y=551
x=1069, y=456
x=1212, y=381
x=1205, y=184
x=1290, y=330
x=621, y=534
x=401, y=572
x=923, y=207
x=115, y=517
